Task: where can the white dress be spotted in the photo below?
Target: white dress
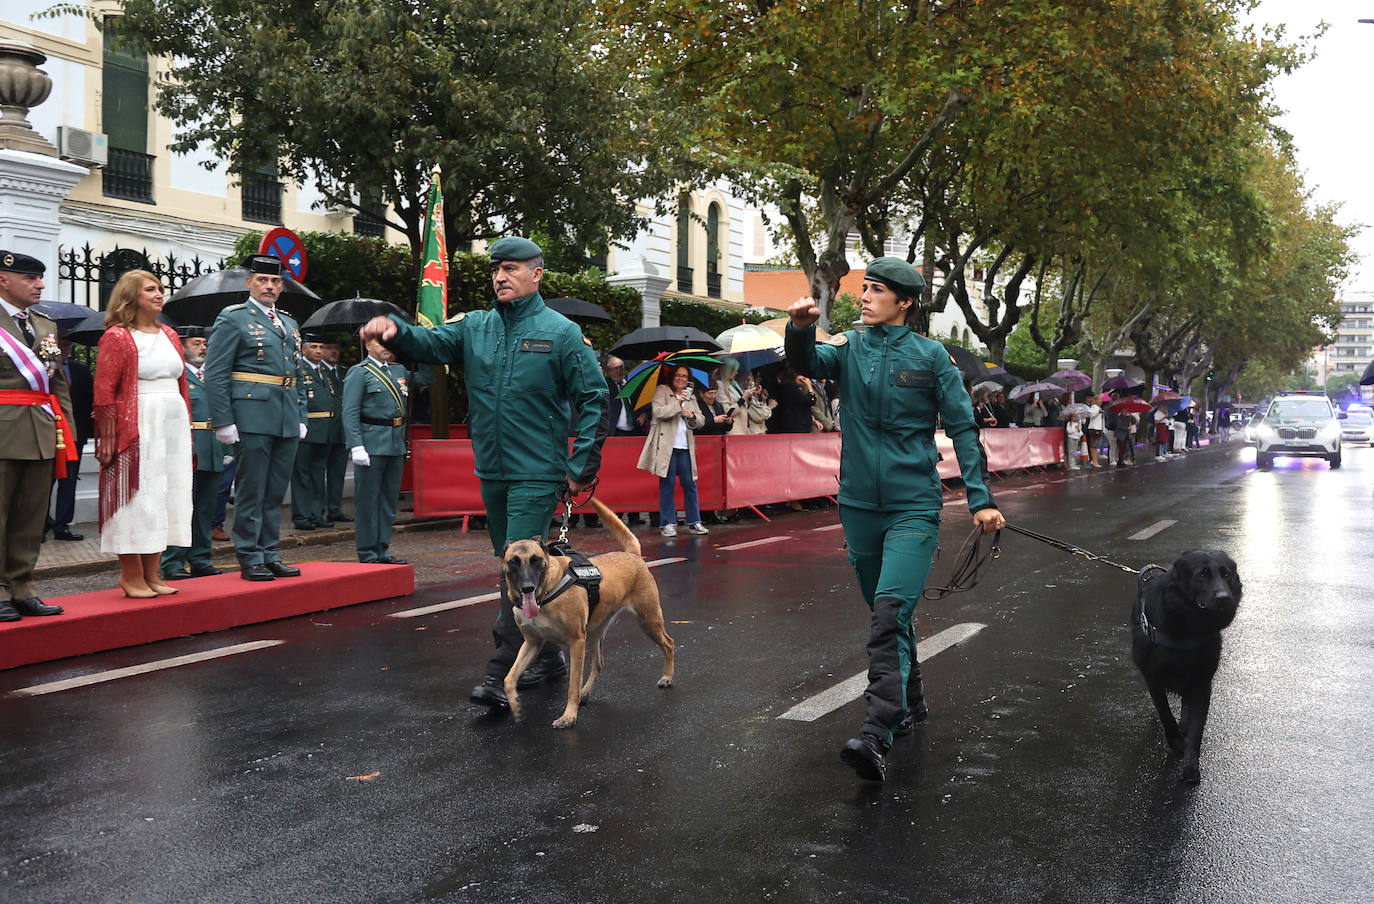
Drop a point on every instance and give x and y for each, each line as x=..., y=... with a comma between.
x=159, y=514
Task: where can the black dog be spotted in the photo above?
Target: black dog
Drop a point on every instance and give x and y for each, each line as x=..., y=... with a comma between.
x=1176, y=630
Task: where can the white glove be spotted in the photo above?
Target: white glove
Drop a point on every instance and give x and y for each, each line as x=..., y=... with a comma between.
x=228, y=460
x=360, y=457
x=227, y=435
x=302, y=431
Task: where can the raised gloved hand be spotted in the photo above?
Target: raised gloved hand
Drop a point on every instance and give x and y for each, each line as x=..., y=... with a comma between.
x=360, y=457
x=303, y=431
x=227, y=435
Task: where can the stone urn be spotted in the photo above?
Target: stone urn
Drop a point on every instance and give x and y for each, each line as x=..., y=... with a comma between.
x=22, y=86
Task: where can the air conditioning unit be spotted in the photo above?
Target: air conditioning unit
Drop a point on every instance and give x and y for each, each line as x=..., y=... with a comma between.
x=340, y=211
x=82, y=146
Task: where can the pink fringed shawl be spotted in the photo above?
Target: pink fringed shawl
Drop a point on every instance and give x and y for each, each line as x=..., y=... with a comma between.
x=116, y=415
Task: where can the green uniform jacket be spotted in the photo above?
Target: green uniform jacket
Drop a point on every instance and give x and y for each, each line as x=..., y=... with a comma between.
x=893, y=383
x=375, y=391
x=526, y=368
x=321, y=397
x=209, y=451
x=245, y=341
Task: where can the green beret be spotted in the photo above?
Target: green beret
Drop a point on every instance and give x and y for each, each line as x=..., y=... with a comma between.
x=897, y=274
x=514, y=248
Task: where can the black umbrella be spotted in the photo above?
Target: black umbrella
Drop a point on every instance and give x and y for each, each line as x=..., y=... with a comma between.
x=1368, y=376
x=199, y=302
x=347, y=315
x=647, y=341
x=969, y=364
x=579, y=311
x=86, y=332
x=65, y=315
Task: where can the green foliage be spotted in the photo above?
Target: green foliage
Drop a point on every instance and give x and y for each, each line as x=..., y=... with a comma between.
x=1028, y=359
x=339, y=265
x=844, y=313
x=708, y=319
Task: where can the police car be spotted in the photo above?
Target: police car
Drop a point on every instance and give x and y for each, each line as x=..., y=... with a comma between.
x=1299, y=423
x=1358, y=426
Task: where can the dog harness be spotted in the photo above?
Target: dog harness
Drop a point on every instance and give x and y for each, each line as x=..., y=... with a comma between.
x=580, y=571
x=1162, y=638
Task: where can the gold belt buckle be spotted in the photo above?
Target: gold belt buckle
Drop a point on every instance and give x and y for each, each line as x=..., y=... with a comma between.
x=397, y=421
x=288, y=382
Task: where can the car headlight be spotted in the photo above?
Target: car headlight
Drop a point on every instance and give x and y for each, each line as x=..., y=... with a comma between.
x=1266, y=433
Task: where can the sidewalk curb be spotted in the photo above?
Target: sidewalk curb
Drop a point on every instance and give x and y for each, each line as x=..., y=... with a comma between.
x=292, y=541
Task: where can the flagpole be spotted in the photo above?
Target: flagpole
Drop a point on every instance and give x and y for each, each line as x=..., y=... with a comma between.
x=438, y=391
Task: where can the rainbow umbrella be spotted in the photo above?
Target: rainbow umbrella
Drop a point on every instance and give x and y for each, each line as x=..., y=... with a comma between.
x=641, y=382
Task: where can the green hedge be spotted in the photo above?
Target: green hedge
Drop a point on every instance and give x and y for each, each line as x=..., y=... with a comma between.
x=708, y=319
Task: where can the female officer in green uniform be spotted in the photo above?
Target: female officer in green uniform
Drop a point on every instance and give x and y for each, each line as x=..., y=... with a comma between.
x=893, y=384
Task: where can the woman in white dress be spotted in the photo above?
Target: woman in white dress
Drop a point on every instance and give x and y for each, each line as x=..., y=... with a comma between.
x=142, y=436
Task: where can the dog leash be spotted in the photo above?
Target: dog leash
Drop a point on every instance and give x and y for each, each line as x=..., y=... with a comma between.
x=565, y=495
x=972, y=559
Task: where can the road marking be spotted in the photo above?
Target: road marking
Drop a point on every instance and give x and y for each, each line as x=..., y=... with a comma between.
x=1153, y=529
x=654, y=563
x=754, y=543
x=829, y=527
x=827, y=701
x=442, y=607
x=98, y=677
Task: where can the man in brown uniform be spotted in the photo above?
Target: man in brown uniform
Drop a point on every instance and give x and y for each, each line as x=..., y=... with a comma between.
x=31, y=380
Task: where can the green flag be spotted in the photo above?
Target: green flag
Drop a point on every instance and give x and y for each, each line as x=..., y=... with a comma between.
x=431, y=307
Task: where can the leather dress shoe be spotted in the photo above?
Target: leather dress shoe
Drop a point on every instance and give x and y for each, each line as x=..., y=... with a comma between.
x=219, y=534
x=490, y=693
x=68, y=535
x=34, y=606
x=391, y=560
x=866, y=757
x=303, y=525
x=176, y=575
x=542, y=670
x=325, y=523
x=8, y=613
x=205, y=572
x=282, y=570
x=255, y=573
x=908, y=723
x=344, y=518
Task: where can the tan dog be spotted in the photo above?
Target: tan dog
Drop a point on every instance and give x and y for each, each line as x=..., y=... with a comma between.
x=531, y=574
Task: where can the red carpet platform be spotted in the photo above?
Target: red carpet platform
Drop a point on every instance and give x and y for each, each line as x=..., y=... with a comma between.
x=105, y=620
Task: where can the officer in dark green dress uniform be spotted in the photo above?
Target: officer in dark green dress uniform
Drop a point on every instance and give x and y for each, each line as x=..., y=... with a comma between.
x=527, y=369
x=209, y=454
x=893, y=384
x=375, y=397
x=257, y=405
x=323, y=428
x=336, y=459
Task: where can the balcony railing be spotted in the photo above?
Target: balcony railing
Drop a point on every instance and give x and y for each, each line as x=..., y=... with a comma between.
x=712, y=282
x=128, y=175
x=262, y=199
x=684, y=279
x=370, y=221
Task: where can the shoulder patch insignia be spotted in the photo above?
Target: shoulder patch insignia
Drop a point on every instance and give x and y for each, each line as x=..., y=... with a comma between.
x=457, y=317
x=952, y=361
x=588, y=341
x=841, y=339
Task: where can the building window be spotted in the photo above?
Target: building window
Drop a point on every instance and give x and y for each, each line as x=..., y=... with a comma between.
x=370, y=220
x=262, y=195
x=684, y=246
x=713, y=251
x=124, y=117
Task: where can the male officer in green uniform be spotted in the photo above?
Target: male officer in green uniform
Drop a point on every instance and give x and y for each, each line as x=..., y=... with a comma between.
x=209, y=456
x=893, y=384
x=527, y=368
x=336, y=459
x=375, y=394
x=323, y=428
x=258, y=406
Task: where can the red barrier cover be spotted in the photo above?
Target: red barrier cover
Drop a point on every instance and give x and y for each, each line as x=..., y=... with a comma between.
x=732, y=471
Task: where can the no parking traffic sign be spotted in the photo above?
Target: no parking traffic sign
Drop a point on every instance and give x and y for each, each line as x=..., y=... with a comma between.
x=285, y=244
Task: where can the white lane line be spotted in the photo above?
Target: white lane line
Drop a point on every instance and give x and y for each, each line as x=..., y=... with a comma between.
x=829, y=527
x=1153, y=529
x=827, y=701
x=442, y=607
x=98, y=677
x=488, y=597
x=755, y=543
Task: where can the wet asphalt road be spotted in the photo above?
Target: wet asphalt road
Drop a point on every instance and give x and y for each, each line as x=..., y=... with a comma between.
x=345, y=764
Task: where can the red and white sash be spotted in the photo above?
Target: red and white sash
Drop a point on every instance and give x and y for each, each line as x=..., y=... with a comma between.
x=34, y=371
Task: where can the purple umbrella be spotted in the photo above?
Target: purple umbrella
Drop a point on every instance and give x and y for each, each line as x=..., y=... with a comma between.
x=1072, y=380
x=1026, y=389
x=1120, y=382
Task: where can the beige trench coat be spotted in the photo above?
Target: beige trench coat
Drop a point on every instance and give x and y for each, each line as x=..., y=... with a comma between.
x=658, y=445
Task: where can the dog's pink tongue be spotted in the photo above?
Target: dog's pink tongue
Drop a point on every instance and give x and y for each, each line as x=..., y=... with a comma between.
x=528, y=603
